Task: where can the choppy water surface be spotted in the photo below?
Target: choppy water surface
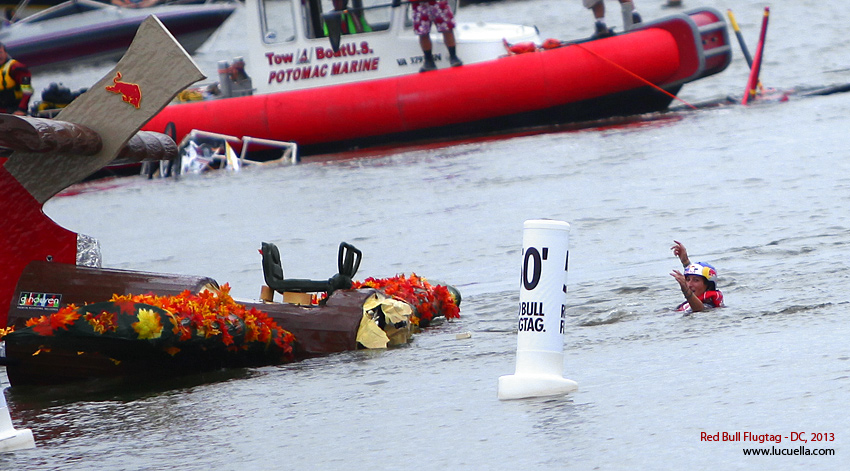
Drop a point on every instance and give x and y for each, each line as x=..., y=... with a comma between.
x=761, y=192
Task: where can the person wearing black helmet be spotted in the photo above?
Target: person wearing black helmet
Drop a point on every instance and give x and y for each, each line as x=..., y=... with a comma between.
x=15, y=87
x=698, y=282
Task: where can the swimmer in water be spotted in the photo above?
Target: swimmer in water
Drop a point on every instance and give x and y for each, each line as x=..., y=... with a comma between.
x=698, y=282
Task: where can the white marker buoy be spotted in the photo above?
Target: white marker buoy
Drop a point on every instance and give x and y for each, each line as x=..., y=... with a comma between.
x=541, y=315
x=12, y=439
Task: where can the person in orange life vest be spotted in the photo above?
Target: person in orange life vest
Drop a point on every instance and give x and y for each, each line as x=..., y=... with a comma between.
x=15, y=87
x=438, y=13
x=630, y=16
x=698, y=283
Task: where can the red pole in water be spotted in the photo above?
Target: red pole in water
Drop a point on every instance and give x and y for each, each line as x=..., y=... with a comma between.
x=753, y=81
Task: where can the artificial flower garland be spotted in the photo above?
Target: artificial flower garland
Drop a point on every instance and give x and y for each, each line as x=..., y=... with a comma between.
x=214, y=314
x=427, y=301
x=209, y=314
x=206, y=315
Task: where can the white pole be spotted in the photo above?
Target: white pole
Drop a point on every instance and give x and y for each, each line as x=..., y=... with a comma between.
x=12, y=439
x=541, y=313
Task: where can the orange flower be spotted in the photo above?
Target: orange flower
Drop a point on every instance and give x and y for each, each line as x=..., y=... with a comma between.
x=35, y=321
x=64, y=317
x=103, y=322
x=6, y=331
x=126, y=306
x=428, y=301
x=46, y=325
x=447, y=302
x=180, y=326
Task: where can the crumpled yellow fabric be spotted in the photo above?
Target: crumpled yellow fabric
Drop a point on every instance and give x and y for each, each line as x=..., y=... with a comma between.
x=370, y=335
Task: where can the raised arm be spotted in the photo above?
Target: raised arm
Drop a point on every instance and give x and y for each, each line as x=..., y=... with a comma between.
x=692, y=299
x=680, y=251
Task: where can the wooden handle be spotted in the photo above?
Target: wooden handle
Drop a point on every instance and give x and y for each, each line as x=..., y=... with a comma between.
x=39, y=135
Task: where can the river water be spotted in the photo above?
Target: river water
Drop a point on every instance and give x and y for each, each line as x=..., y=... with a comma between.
x=761, y=192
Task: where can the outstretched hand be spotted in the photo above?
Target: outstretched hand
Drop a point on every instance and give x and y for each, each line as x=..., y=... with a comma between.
x=681, y=279
x=694, y=302
x=680, y=251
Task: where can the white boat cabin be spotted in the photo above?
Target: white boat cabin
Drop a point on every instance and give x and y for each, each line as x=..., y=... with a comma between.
x=290, y=48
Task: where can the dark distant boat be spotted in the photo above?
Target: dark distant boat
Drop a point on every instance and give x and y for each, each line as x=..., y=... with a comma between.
x=83, y=31
x=23, y=8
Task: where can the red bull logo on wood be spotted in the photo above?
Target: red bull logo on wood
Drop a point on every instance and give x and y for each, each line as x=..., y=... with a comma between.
x=130, y=92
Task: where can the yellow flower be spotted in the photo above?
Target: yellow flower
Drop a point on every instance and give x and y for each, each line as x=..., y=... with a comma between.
x=148, y=326
x=6, y=331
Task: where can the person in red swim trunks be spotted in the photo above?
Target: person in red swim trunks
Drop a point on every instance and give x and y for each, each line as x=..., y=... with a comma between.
x=698, y=283
x=438, y=13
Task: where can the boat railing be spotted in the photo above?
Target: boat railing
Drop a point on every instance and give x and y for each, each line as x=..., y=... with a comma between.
x=290, y=149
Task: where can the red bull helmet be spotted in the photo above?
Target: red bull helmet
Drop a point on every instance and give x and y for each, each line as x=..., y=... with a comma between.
x=702, y=269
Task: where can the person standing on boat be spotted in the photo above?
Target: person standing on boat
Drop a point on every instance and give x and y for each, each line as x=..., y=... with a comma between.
x=698, y=283
x=438, y=13
x=349, y=22
x=15, y=86
x=630, y=16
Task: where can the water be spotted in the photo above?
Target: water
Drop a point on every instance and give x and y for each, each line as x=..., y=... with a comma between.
x=761, y=192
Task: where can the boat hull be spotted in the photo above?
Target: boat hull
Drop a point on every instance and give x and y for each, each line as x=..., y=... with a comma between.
x=36, y=359
x=631, y=73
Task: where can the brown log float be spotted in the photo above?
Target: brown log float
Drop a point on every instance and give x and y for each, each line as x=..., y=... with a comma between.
x=46, y=136
x=318, y=330
x=40, y=135
x=147, y=146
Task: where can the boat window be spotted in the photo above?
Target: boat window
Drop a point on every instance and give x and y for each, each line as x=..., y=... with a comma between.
x=276, y=21
x=311, y=17
x=360, y=16
x=378, y=12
